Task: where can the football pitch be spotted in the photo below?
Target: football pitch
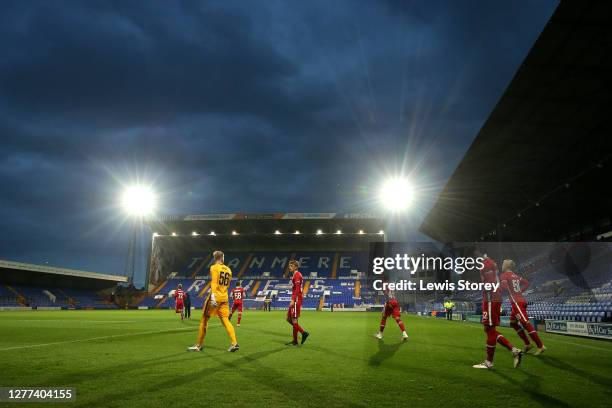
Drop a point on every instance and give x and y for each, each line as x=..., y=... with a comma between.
x=139, y=358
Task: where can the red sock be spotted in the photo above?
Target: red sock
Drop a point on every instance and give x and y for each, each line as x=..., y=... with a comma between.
x=520, y=332
x=295, y=332
x=491, y=340
x=239, y=317
x=490, y=352
x=504, y=342
x=533, y=334
x=401, y=325
x=383, y=322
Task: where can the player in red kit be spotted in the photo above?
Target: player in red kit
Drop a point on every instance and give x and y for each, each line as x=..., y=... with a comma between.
x=491, y=311
x=179, y=295
x=295, y=305
x=392, y=308
x=238, y=295
x=516, y=285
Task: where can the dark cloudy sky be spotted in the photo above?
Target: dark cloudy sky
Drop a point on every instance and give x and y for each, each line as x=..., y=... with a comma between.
x=235, y=106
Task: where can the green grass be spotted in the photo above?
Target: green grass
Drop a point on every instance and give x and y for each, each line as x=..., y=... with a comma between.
x=138, y=358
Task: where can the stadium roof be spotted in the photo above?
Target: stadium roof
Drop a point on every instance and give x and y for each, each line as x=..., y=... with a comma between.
x=6, y=266
x=540, y=168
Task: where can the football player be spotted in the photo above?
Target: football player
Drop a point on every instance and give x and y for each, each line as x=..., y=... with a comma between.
x=392, y=308
x=516, y=285
x=216, y=303
x=295, y=306
x=238, y=295
x=491, y=311
x=179, y=296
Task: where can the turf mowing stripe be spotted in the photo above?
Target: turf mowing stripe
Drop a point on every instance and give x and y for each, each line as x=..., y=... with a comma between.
x=76, y=320
x=558, y=340
x=95, y=338
x=576, y=344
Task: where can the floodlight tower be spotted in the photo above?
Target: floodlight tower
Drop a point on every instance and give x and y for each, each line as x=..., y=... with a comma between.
x=396, y=196
x=138, y=202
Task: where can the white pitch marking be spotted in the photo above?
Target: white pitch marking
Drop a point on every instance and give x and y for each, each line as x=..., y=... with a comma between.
x=93, y=339
x=72, y=320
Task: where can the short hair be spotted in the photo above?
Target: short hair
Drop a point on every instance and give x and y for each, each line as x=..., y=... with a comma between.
x=509, y=263
x=218, y=255
x=294, y=262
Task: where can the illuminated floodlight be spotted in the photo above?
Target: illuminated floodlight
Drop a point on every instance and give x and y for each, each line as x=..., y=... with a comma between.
x=339, y=232
x=195, y=233
x=174, y=234
x=397, y=194
x=138, y=201
x=381, y=232
x=212, y=233
x=361, y=232
x=155, y=234
x=319, y=232
x=277, y=232
x=234, y=233
x=297, y=232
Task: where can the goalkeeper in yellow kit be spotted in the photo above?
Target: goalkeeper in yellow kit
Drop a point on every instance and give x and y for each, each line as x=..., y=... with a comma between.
x=216, y=304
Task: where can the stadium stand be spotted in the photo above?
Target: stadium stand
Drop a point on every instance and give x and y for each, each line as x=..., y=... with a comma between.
x=36, y=286
x=265, y=273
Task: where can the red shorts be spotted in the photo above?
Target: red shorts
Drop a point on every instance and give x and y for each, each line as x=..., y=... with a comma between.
x=179, y=307
x=294, y=311
x=392, y=308
x=491, y=312
x=237, y=305
x=519, y=312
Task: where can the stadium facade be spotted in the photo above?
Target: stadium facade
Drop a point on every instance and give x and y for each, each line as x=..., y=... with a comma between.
x=332, y=249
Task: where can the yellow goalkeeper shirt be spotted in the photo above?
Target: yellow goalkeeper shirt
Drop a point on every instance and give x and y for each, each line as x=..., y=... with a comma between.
x=220, y=278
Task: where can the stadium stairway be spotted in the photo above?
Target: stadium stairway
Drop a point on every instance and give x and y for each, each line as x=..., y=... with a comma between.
x=19, y=296
x=159, y=287
x=255, y=288
x=286, y=273
x=245, y=265
x=306, y=287
x=161, y=302
x=321, y=303
x=204, y=290
x=69, y=300
x=334, y=273
x=204, y=262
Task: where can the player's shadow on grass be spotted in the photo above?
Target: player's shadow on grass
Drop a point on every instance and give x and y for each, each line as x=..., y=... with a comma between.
x=531, y=386
x=385, y=351
x=203, y=375
x=277, y=381
x=77, y=377
x=562, y=365
x=270, y=332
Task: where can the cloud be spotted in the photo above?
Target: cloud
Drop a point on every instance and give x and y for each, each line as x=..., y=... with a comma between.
x=297, y=107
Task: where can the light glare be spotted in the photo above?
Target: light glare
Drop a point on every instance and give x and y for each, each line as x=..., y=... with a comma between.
x=138, y=200
x=396, y=194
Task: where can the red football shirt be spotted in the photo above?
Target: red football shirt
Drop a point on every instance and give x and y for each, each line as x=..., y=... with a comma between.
x=515, y=285
x=488, y=274
x=179, y=295
x=238, y=295
x=296, y=282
